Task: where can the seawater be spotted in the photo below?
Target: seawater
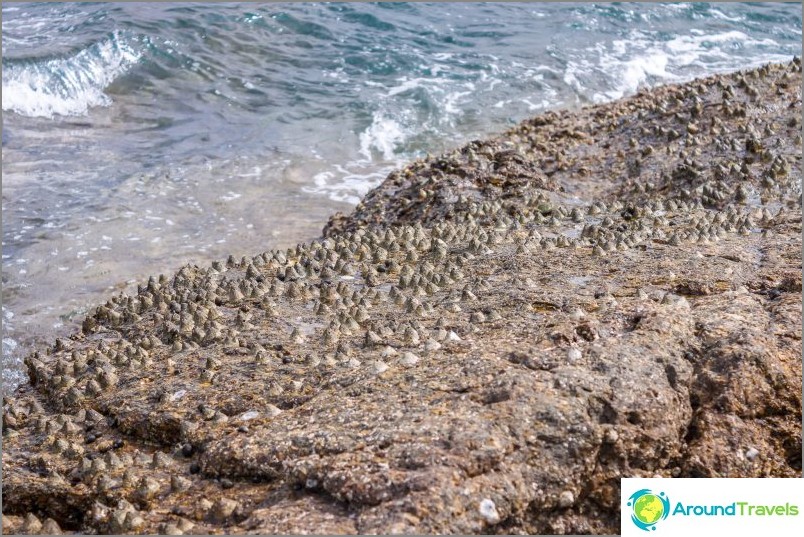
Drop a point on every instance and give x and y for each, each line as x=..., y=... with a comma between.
x=138, y=137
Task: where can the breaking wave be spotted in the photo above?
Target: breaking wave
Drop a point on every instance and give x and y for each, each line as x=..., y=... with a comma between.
x=66, y=86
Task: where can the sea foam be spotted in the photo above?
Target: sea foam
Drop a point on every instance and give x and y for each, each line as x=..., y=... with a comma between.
x=67, y=86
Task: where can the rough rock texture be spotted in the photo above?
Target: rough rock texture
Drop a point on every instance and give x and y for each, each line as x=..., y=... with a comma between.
x=486, y=345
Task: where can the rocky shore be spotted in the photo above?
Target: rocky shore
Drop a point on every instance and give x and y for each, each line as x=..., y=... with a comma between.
x=486, y=344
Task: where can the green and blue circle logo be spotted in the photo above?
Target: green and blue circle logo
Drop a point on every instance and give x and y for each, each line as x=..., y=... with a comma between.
x=648, y=508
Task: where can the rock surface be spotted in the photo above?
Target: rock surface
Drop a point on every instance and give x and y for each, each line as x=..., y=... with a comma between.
x=486, y=345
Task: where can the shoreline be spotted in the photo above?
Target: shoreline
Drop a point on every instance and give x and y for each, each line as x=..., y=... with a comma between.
x=112, y=252
x=484, y=321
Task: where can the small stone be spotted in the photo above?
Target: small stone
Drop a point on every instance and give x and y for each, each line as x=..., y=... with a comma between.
x=179, y=483
x=272, y=411
x=99, y=512
x=751, y=453
x=170, y=529
x=50, y=527
x=223, y=509
x=566, y=499
x=611, y=436
x=488, y=510
x=185, y=525
x=204, y=505
x=133, y=521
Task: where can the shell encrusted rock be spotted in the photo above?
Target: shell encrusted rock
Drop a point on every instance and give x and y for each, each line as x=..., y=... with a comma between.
x=487, y=344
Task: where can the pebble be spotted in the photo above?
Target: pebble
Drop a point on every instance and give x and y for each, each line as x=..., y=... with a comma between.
x=488, y=510
x=272, y=411
x=223, y=508
x=611, y=436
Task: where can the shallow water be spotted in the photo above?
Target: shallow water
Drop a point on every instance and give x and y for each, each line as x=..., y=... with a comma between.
x=139, y=137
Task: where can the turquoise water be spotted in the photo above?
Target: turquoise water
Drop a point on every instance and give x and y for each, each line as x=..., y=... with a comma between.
x=138, y=137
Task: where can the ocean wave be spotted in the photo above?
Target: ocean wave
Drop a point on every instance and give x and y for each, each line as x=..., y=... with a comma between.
x=67, y=86
x=348, y=183
x=384, y=135
x=382, y=149
x=642, y=60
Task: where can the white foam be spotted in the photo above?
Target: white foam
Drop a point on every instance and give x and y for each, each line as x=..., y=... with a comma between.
x=408, y=84
x=348, y=183
x=452, y=99
x=641, y=60
x=9, y=345
x=383, y=135
x=67, y=86
x=720, y=15
x=542, y=105
x=442, y=90
x=381, y=150
x=632, y=73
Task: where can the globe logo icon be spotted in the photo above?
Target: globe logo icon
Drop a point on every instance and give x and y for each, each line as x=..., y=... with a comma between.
x=648, y=508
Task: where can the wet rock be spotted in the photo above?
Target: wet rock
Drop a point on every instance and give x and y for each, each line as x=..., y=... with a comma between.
x=545, y=312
